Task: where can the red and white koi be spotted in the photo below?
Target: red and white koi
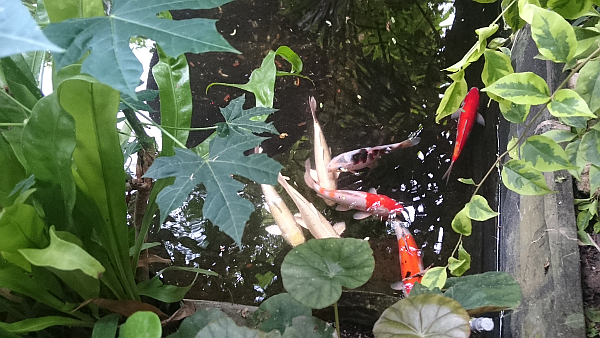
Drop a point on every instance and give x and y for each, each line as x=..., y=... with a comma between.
x=411, y=261
x=366, y=203
x=366, y=157
x=467, y=115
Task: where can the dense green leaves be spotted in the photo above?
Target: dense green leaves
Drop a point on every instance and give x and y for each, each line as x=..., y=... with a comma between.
x=453, y=96
x=423, y=316
x=521, y=88
x=553, y=35
x=519, y=177
x=111, y=60
x=588, y=84
x=314, y=272
x=543, y=154
x=223, y=205
x=40, y=323
x=590, y=146
x=19, y=32
x=21, y=227
x=485, y=292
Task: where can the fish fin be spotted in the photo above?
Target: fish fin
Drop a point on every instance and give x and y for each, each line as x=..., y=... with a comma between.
x=457, y=113
x=447, y=174
x=300, y=220
x=409, y=143
x=480, y=119
x=274, y=230
x=339, y=227
x=399, y=286
x=313, y=174
x=342, y=208
x=361, y=215
x=372, y=191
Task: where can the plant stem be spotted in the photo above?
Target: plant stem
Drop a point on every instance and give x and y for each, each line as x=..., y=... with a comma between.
x=337, y=319
x=177, y=142
x=190, y=129
x=9, y=124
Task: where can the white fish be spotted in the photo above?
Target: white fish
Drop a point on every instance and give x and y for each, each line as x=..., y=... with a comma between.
x=326, y=179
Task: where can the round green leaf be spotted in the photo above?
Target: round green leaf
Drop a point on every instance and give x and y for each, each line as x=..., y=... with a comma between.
x=423, y=316
x=553, y=35
x=568, y=103
x=435, y=277
x=544, y=154
x=278, y=311
x=462, y=223
x=523, y=179
x=521, y=88
x=141, y=324
x=479, y=210
x=314, y=272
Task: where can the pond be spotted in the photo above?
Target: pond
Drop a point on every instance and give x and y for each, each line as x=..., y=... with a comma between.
x=376, y=74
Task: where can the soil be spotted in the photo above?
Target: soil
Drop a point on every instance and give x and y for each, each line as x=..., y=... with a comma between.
x=590, y=276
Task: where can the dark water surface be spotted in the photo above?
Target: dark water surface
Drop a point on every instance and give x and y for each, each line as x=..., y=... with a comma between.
x=376, y=72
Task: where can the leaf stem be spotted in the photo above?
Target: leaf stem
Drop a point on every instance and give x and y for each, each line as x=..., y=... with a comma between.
x=163, y=130
x=9, y=124
x=190, y=129
x=337, y=318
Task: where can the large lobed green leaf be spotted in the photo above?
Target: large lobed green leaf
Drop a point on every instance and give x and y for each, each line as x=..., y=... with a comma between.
x=111, y=60
x=553, y=35
x=19, y=33
x=521, y=88
x=518, y=176
x=314, y=272
x=223, y=205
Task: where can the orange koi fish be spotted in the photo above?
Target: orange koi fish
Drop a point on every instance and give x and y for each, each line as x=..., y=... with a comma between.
x=366, y=157
x=366, y=203
x=467, y=115
x=411, y=262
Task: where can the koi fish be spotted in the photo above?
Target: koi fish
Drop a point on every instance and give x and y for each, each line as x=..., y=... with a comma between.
x=284, y=219
x=366, y=203
x=467, y=115
x=366, y=157
x=326, y=179
x=410, y=259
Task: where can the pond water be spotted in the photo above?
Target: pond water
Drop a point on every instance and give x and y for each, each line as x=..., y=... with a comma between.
x=376, y=76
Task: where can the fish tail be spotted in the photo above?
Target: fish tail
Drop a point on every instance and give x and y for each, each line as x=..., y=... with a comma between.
x=447, y=174
x=307, y=178
x=409, y=143
x=313, y=107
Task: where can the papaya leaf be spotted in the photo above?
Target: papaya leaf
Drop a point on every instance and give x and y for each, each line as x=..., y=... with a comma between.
x=544, y=154
x=40, y=323
x=477, y=50
x=519, y=177
x=435, y=277
x=223, y=205
x=567, y=103
x=570, y=9
x=278, y=312
x=141, y=324
x=478, y=209
x=459, y=266
x=453, y=96
x=511, y=15
x=314, y=272
x=19, y=32
x=553, y=35
x=515, y=113
x=560, y=135
x=111, y=60
x=461, y=223
x=521, y=88
x=588, y=84
x=424, y=316
x=485, y=292
x=496, y=66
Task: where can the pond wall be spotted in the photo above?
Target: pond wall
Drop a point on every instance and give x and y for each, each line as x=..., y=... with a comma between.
x=538, y=238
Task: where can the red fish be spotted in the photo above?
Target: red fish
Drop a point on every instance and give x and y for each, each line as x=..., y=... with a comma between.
x=366, y=203
x=411, y=263
x=366, y=157
x=467, y=115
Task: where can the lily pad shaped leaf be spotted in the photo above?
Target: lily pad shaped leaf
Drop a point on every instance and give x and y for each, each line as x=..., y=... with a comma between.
x=19, y=33
x=223, y=205
x=106, y=38
x=141, y=324
x=423, y=316
x=314, y=272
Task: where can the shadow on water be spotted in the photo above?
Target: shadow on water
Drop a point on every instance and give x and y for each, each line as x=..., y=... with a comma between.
x=376, y=71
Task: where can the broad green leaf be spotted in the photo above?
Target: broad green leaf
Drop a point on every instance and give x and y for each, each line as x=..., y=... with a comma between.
x=594, y=183
x=586, y=37
x=459, y=266
x=288, y=54
x=513, y=148
x=468, y=181
x=560, y=135
x=583, y=220
x=567, y=102
x=21, y=227
x=511, y=15
x=242, y=121
x=590, y=147
x=12, y=111
x=515, y=113
x=191, y=325
x=308, y=327
x=87, y=287
x=314, y=272
x=127, y=102
x=223, y=205
x=19, y=32
x=435, y=277
x=588, y=84
x=523, y=179
x=63, y=255
x=574, y=155
x=453, y=96
x=141, y=324
x=48, y=144
x=106, y=326
x=173, y=80
x=477, y=50
x=479, y=210
x=40, y=323
x=423, y=316
x=278, y=311
x=553, y=35
x=60, y=10
x=521, y=88
x=527, y=9
x=496, y=66
x=155, y=288
x=12, y=172
x=485, y=292
x=420, y=289
x=20, y=81
x=544, y=154
x=111, y=60
x=461, y=223
x=226, y=327
x=570, y=9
